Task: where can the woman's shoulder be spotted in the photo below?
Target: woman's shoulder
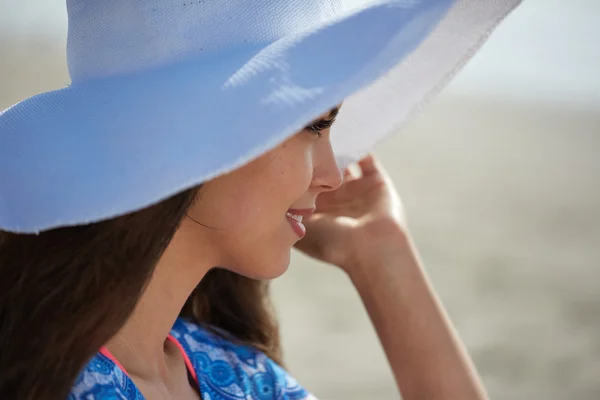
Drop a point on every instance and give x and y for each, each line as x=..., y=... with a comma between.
x=213, y=342
x=224, y=370
x=230, y=369
x=103, y=379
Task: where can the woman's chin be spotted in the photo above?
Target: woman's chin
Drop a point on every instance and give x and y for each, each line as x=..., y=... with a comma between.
x=266, y=269
x=271, y=271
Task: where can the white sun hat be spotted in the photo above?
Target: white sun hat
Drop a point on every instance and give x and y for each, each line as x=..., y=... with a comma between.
x=167, y=94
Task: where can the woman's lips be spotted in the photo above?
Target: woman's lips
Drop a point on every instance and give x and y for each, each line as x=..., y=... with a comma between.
x=297, y=226
x=294, y=217
x=303, y=212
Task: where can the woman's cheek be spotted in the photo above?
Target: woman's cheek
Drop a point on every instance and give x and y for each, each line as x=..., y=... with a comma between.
x=297, y=166
x=308, y=163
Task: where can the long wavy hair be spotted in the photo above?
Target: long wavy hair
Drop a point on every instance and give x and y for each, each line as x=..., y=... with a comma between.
x=65, y=292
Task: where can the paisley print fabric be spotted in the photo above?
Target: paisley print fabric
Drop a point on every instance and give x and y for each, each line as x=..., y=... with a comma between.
x=225, y=371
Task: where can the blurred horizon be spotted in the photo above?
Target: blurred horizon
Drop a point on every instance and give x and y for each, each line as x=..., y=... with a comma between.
x=547, y=49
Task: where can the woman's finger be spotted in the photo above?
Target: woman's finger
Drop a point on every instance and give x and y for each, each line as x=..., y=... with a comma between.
x=351, y=172
x=347, y=173
x=368, y=165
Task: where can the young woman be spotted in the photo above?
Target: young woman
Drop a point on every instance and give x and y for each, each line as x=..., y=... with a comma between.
x=145, y=207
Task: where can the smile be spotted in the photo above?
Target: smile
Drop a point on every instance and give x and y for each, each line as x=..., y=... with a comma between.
x=296, y=224
x=296, y=217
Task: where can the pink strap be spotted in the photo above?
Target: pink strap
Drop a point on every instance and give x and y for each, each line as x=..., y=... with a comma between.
x=187, y=360
x=104, y=351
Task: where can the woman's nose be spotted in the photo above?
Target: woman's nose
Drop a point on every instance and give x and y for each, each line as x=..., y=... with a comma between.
x=327, y=174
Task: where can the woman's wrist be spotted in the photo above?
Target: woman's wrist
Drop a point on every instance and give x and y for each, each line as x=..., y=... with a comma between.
x=423, y=349
x=378, y=245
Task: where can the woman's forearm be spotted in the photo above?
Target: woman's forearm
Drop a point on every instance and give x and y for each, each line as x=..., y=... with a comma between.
x=427, y=357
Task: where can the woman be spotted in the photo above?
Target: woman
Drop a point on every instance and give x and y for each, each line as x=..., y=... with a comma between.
x=139, y=235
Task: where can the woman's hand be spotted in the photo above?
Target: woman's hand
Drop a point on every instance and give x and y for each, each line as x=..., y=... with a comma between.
x=360, y=227
x=355, y=220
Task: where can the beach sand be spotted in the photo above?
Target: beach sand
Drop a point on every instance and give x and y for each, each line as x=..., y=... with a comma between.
x=503, y=201
x=504, y=204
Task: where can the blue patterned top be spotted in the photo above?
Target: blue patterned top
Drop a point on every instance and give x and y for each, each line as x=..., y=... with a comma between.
x=224, y=370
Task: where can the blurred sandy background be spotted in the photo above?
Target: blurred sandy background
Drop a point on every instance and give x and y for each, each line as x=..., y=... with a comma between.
x=501, y=181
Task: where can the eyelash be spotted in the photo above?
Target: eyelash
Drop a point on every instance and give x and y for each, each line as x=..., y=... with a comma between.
x=320, y=126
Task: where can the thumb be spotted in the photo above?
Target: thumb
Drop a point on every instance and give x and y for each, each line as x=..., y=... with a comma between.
x=323, y=240
x=313, y=243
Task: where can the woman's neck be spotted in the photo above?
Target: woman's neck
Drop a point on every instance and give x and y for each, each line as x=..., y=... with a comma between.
x=141, y=345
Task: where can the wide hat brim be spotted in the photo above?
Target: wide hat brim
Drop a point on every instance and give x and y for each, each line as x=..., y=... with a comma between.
x=106, y=147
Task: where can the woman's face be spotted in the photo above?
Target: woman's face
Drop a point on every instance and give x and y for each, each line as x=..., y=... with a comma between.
x=242, y=217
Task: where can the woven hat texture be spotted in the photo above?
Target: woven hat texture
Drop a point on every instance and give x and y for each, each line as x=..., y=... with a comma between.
x=167, y=94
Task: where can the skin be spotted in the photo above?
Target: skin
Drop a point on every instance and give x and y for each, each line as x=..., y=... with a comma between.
x=359, y=226
x=252, y=238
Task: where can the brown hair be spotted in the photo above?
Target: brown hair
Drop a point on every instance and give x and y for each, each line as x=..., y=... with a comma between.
x=65, y=292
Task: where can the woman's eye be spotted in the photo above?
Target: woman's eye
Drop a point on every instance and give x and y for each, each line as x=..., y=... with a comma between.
x=314, y=131
x=321, y=125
